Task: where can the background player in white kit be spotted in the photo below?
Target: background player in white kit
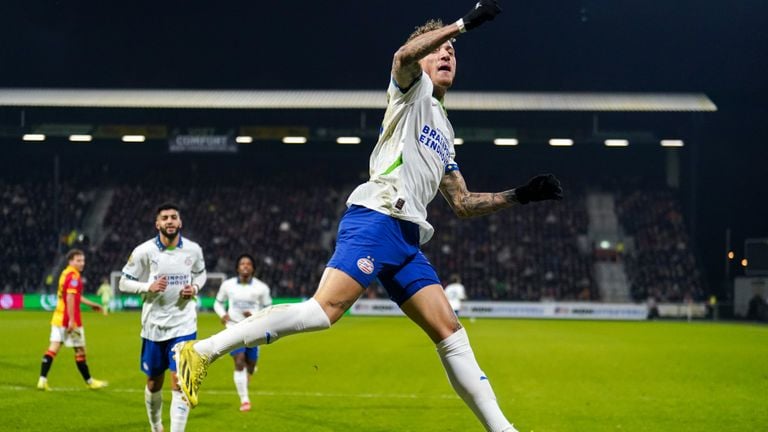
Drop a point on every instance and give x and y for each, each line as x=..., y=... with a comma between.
x=168, y=271
x=456, y=293
x=246, y=295
x=381, y=232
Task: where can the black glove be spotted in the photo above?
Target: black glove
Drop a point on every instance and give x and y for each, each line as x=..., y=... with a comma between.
x=484, y=10
x=540, y=188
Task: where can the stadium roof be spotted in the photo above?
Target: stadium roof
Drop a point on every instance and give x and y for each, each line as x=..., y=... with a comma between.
x=353, y=99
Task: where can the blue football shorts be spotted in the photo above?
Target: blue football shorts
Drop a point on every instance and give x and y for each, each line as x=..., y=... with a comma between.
x=156, y=357
x=251, y=354
x=373, y=245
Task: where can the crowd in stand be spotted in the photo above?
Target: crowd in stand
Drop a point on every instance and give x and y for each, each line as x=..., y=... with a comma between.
x=663, y=266
x=287, y=231
x=528, y=253
x=28, y=234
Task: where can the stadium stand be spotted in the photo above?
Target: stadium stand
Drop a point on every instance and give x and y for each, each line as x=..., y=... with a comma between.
x=532, y=253
x=29, y=235
x=663, y=265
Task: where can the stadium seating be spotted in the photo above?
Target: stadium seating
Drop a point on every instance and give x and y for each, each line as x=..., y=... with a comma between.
x=28, y=230
x=527, y=254
x=664, y=265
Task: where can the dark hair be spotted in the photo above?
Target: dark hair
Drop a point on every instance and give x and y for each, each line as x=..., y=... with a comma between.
x=245, y=255
x=167, y=206
x=455, y=278
x=428, y=26
x=73, y=253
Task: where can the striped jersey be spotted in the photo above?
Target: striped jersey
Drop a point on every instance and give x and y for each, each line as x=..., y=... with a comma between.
x=70, y=282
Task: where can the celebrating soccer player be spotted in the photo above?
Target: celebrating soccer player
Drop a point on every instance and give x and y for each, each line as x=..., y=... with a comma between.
x=168, y=271
x=385, y=224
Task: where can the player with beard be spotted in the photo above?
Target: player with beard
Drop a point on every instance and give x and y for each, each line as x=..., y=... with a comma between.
x=168, y=271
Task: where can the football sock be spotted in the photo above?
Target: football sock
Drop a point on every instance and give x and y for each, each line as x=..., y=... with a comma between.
x=154, y=403
x=241, y=384
x=47, y=363
x=179, y=412
x=470, y=382
x=82, y=366
x=265, y=327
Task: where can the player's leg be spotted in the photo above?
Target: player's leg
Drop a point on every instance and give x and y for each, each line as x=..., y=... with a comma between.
x=240, y=377
x=428, y=307
x=57, y=337
x=431, y=311
x=153, y=401
x=337, y=292
x=179, y=407
x=153, y=364
x=76, y=340
x=349, y=271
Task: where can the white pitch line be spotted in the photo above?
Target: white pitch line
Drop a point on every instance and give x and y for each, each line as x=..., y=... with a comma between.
x=252, y=393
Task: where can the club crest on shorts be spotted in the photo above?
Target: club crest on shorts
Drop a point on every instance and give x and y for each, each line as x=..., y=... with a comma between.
x=365, y=265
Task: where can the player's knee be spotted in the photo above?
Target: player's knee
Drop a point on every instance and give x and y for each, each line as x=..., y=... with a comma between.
x=314, y=317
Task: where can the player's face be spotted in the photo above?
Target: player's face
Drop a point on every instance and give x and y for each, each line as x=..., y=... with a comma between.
x=440, y=65
x=245, y=268
x=168, y=222
x=78, y=262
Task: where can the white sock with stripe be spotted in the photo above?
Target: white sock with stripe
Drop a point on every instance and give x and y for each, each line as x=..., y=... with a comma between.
x=265, y=327
x=470, y=382
x=179, y=412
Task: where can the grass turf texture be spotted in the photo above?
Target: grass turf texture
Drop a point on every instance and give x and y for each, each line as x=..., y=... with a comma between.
x=382, y=374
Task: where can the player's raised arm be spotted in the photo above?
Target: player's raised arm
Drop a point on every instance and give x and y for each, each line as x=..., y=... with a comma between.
x=468, y=204
x=405, y=65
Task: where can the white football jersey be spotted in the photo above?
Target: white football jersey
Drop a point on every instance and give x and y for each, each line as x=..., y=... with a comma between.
x=166, y=315
x=414, y=151
x=251, y=297
x=455, y=293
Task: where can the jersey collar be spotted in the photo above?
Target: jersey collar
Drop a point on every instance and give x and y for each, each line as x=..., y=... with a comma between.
x=162, y=247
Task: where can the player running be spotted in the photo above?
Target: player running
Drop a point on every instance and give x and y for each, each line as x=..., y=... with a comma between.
x=385, y=224
x=246, y=295
x=168, y=271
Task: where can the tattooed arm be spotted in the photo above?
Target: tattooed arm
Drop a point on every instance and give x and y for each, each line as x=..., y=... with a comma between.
x=405, y=65
x=468, y=204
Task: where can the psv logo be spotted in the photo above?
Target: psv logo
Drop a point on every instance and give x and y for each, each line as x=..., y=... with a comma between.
x=365, y=265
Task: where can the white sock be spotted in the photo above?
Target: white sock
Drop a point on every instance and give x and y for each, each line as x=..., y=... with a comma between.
x=179, y=412
x=265, y=327
x=154, y=403
x=470, y=382
x=241, y=384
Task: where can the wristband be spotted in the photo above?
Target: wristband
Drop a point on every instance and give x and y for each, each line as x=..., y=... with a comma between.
x=460, y=24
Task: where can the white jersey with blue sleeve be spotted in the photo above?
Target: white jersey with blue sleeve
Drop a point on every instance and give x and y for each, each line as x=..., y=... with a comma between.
x=248, y=297
x=166, y=315
x=414, y=152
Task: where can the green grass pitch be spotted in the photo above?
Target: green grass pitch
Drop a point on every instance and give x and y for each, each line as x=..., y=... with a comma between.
x=382, y=374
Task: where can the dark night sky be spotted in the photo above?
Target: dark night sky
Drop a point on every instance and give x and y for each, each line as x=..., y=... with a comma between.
x=718, y=47
x=715, y=46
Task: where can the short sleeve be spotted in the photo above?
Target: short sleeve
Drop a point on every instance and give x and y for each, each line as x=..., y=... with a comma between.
x=420, y=88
